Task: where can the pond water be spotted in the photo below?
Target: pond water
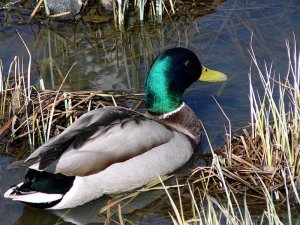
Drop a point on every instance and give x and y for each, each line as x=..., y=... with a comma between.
x=111, y=60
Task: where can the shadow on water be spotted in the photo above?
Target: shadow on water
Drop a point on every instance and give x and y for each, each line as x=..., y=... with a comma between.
x=111, y=60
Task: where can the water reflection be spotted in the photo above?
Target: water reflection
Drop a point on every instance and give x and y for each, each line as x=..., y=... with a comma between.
x=88, y=213
x=108, y=59
x=105, y=59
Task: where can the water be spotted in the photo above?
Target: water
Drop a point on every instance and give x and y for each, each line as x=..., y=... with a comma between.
x=111, y=60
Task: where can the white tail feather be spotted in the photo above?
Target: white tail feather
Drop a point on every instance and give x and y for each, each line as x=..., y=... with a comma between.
x=32, y=197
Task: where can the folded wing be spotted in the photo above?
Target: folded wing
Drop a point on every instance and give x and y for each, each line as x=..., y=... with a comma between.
x=97, y=140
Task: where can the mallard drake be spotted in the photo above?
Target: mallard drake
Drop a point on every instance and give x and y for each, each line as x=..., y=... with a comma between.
x=114, y=149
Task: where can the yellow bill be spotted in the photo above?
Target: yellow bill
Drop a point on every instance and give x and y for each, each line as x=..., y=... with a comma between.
x=209, y=75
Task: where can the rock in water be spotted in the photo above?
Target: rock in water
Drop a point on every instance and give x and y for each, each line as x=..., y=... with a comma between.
x=61, y=6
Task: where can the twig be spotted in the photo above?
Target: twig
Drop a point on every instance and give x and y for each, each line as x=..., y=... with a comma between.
x=35, y=10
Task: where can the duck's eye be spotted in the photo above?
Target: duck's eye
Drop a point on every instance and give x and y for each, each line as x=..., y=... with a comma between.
x=187, y=63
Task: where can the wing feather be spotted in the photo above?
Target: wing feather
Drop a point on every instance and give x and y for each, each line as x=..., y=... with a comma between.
x=86, y=124
x=97, y=140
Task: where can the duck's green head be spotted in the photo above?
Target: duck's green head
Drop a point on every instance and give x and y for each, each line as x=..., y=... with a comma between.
x=171, y=73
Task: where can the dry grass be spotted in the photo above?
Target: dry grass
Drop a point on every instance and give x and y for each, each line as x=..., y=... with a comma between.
x=39, y=115
x=65, y=107
x=262, y=159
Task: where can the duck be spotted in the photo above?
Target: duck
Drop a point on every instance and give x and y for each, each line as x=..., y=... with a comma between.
x=114, y=149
